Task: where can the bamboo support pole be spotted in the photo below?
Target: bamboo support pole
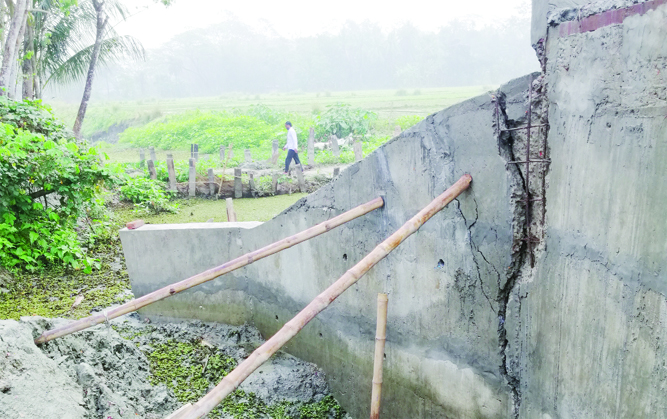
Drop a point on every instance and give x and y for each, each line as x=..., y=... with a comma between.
x=322, y=301
x=380, y=339
x=210, y=274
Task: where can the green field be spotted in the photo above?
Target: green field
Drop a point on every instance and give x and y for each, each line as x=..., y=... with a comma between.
x=388, y=104
x=198, y=210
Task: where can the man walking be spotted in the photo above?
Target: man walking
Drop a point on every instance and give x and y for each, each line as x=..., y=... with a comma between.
x=292, y=147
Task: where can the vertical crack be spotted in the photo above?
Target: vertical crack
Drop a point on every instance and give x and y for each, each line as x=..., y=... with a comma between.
x=518, y=191
x=474, y=248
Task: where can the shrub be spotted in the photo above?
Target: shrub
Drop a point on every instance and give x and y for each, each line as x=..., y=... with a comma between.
x=342, y=120
x=48, y=181
x=147, y=194
x=406, y=121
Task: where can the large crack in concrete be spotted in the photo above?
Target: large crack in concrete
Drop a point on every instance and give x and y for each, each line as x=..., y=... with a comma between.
x=518, y=189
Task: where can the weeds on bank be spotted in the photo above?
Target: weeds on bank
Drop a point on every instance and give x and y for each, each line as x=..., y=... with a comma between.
x=191, y=369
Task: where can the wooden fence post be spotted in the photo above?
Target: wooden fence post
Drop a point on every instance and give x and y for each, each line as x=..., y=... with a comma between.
x=311, y=147
x=211, y=182
x=238, y=186
x=151, y=150
x=333, y=140
x=197, y=152
x=251, y=182
x=231, y=214
x=151, y=170
x=193, y=177
x=299, y=176
x=276, y=152
x=172, y=172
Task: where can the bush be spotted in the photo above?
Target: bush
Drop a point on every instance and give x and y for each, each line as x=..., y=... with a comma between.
x=147, y=194
x=48, y=182
x=342, y=120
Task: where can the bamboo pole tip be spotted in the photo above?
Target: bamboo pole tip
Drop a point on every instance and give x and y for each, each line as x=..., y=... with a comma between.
x=467, y=177
x=383, y=298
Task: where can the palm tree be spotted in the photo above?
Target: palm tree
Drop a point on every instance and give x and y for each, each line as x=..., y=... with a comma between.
x=60, y=45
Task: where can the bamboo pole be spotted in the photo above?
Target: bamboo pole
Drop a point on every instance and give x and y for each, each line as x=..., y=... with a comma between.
x=322, y=301
x=380, y=339
x=181, y=410
x=210, y=274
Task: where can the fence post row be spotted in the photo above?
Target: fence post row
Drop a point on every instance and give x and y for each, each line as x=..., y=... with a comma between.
x=322, y=301
x=210, y=274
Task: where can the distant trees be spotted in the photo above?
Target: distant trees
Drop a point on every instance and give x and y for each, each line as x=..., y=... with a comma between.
x=233, y=57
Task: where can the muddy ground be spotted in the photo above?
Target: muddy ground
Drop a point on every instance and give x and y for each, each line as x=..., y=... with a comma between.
x=134, y=369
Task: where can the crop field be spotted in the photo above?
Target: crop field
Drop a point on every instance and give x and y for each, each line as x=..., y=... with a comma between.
x=387, y=104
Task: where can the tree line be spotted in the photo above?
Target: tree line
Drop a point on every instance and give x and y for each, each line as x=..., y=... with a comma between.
x=234, y=57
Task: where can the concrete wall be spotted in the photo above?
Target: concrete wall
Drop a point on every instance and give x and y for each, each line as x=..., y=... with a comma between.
x=474, y=330
x=447, y=284
x=589, y=323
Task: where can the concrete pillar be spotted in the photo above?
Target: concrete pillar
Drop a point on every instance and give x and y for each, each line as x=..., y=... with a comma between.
x=274, y=183
x=333, y=140
x=358, y=151
x=238, y=186
x=248, y=156
x=192, y=186
x=172, y=172
x=151, y=150
x=336, y=171
x=222, y=154
x=151, y=170
x=211, y=182
x=142, y=158
x=231, y=214
x=299, y=176
x=253, y=191
x=311, y=147
x=276, y=152
x=397, y=131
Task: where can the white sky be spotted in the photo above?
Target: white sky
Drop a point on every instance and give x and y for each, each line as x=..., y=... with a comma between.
x=153, y=24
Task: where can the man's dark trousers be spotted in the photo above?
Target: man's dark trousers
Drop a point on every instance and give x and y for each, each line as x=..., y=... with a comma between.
x=291, y=154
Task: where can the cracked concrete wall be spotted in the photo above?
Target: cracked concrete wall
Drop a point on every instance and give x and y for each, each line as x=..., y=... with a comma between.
x=588, y=324
x=447, y=284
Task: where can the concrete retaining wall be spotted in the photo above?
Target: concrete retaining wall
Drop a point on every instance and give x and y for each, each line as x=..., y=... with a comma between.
x=444, y=283
x=474, y=330
x=590, y=322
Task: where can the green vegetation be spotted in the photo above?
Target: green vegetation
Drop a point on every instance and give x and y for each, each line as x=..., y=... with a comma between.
x=342, y=120
x=148, y=195
x=200, y=210
x=48, y=182
x=101, y=116
x=190, y=369
x=53, y=292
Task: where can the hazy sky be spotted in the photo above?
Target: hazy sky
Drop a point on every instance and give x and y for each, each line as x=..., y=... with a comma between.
x=154, y=24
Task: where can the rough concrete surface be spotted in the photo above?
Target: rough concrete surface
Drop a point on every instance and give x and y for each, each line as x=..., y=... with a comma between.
x=98, y=374
x=590, y=323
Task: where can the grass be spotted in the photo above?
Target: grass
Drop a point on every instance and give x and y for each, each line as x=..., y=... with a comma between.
x=386, y=103
x=199, y=210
